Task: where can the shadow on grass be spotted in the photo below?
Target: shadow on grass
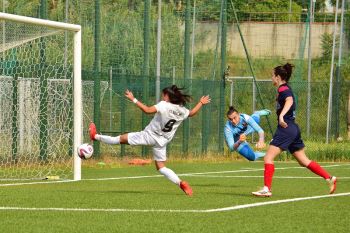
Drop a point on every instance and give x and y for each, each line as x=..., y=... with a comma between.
x=216, y=185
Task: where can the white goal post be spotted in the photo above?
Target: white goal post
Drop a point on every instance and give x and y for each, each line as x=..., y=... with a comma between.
x=37, y=56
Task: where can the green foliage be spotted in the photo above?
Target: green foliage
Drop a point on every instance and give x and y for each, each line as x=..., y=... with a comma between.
x=23, y=7
x=209, y=10
x=327, y=45
x=319, y=5
x=269, y=6
x=272, y=10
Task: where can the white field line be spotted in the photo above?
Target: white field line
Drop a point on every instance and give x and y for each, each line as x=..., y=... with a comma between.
x=39, y=182
x=155, y=176
x=237, y=207
x=205, y=173
x=225, y=209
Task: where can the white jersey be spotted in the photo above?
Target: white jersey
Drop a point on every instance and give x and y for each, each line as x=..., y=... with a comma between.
x=166, y=121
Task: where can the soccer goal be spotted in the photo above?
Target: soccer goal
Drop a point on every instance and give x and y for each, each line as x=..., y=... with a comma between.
x=40, y=98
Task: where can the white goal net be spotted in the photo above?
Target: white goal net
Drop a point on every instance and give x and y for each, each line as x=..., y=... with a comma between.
x=40, y=98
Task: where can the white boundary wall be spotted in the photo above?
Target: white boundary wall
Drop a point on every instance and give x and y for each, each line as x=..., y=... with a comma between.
x=264, y=39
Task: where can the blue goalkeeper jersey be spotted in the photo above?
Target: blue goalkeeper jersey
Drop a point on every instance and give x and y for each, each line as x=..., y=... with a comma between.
x=247, y=124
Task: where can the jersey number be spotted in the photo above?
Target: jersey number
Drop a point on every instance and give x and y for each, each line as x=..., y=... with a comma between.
x=169, y=125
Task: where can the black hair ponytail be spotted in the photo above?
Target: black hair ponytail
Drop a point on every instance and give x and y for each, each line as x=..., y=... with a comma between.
x=285, y=71
x=176, y=95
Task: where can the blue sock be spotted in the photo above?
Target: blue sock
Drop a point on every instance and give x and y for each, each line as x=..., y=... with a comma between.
x=259, y=155
x=263, y=112
x=247, y=152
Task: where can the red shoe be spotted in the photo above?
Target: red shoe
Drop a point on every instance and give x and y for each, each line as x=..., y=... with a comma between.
x=92, y=131
x=186, y=188
x=332, y=183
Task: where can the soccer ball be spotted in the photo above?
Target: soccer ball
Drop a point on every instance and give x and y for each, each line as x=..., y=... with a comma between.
x=85, y=151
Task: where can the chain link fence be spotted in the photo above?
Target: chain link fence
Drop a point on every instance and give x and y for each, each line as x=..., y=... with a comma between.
x=118, y=115
x=127, y=59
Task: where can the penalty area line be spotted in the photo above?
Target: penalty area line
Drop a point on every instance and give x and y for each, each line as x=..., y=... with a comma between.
x=157, y=176
x=237, y=207
x=199, y=173
x=225, y=209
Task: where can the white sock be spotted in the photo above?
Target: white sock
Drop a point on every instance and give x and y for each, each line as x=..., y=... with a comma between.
x=108, y=139
x=168, y=173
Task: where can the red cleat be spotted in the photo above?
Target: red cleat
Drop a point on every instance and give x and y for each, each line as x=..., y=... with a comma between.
x=332, y=183
x=92, y=131
x=186, y=188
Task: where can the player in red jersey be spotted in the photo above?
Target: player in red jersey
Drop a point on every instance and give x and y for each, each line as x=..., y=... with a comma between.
x=287, y=135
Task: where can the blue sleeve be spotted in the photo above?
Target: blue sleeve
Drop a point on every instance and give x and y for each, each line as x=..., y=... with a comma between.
x=253, y=127
x=230, y=141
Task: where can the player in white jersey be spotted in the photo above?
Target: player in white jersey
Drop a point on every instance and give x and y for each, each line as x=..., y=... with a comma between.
x=169, y=113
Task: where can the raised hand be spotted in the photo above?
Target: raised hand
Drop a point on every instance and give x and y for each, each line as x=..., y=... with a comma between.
x=205, y=100
x=260, y=145
x=128, y=94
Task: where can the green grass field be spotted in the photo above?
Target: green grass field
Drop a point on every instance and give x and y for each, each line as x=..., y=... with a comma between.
x=137, y=199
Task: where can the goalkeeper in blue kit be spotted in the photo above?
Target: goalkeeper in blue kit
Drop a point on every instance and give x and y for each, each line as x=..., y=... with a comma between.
x=238, y=126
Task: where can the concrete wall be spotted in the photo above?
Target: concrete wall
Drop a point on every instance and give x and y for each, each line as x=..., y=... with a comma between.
x=263, y=39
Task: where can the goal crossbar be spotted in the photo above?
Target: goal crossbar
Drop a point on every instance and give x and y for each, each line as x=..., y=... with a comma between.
x=41, y=22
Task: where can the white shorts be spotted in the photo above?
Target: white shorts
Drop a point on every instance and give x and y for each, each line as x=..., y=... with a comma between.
x=145, y=139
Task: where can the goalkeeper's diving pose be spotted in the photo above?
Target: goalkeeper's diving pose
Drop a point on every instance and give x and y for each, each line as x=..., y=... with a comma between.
x=238, y=126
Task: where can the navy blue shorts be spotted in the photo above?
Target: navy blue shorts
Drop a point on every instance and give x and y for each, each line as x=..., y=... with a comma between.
x=288, y=138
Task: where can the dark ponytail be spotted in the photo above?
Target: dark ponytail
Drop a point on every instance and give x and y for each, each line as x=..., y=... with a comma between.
x=284, y=71
x=231, y=110
x=176, y=95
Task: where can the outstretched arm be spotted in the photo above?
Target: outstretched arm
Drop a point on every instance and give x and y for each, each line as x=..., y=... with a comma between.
x=144, y=108
x=253, y=126
x=203, y=101
x=230, y=141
